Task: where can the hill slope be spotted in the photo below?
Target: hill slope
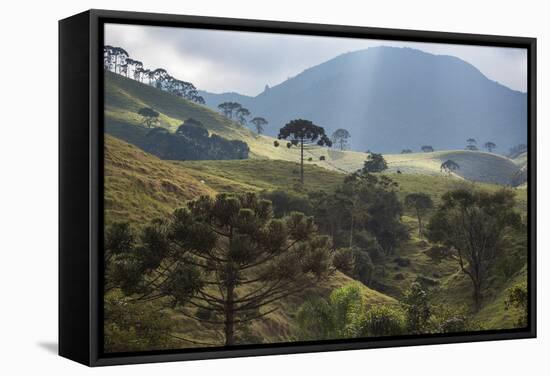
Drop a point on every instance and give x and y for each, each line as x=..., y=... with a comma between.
x=124, y=97
x=396, y=98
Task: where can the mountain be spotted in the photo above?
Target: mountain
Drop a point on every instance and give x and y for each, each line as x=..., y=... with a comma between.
x=124, y=97
x=396, y=98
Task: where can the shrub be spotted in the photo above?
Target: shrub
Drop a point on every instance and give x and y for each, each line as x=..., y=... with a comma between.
x=517, y=297
x=399, y=276
x=383, y=320
x=402, y=261
x=343, y=260
x=417, y=309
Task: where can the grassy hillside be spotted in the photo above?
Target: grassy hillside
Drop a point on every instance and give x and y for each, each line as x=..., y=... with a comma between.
x=139, y=186
x=124, y=97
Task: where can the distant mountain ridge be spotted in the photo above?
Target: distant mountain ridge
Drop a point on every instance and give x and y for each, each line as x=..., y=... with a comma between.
x=395, y=98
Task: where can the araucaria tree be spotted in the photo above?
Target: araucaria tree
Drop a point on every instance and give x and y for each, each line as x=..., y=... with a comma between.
x=340, y=137
x=222, y=262
x=375, y=163
x=242, y=115
x=303, y=133
x=150, y=116
x=421, y=203
x=474, y=224
x=259, y=123
x=490, y=146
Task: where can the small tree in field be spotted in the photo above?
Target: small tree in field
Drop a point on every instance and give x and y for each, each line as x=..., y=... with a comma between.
x=490, y=146
x=449, y=166
x=259, y=123
x=375, y=163
x=149, y=116
x=421, y=203
x=340, y=137
x=474, y=224
x=427, y=149
x=227, y=257
x=303, y=133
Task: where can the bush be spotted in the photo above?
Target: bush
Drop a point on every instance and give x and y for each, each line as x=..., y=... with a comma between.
x=426, y=281
x=285, y=202
x=383, y=320
x=343, y=260
x=399, y=276
x=417, y=309
x=402, y=261
x=517, y=297
x=135, y=326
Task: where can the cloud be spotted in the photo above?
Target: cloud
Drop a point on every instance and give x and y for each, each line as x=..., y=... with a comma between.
x=244, y=62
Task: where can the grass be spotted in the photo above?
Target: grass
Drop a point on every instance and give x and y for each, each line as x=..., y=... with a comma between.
x=139, y=186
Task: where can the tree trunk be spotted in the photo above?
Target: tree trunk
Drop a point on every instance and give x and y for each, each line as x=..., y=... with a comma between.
x=229, y=318
x=477, y=296
x=351, y=232
x=419, y=225
x=302, y=161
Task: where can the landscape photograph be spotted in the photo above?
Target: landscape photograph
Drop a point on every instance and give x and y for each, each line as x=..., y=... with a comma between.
x=264, y=189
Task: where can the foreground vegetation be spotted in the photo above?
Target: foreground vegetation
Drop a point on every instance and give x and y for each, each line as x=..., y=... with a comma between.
x=374, y=276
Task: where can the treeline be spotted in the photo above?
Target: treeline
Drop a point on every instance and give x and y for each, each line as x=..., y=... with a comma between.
x=235, y=111
x=117, y=60
x=191, y=141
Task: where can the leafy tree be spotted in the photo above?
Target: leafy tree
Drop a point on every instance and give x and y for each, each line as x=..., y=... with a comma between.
x=228, y=256
x=406, y=151
x=427, y=149
x=421, y=203
x=375, y=163
x=474, y=224
x=518, y=297
x=149, y=116
x=340, y=137
x=471, y=141
x=490, y=146
x=449, y=166
x=376, y=208
x=259, y=124
x=193, y=129
x=303, y=132
x=285, y=202
x=417, y=309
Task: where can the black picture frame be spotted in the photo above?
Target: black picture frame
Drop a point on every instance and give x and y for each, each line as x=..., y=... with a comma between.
x=81, y=184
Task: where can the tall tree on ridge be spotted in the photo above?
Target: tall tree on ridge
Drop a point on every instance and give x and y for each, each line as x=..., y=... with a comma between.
x=259, y=123
x=340, y=137
x=303, y=132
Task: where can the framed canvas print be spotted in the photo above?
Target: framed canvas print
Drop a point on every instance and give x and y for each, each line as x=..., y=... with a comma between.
x=239, y=187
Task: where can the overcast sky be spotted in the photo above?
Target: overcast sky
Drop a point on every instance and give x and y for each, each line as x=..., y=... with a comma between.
x=244, y=62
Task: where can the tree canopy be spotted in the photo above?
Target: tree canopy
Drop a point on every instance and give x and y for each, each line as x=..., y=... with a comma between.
x=340, y=137
x=227, y=256
x=259, y=124
x=303, y=132
x=474, y=224
x=149, y=116
x=375, y=163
